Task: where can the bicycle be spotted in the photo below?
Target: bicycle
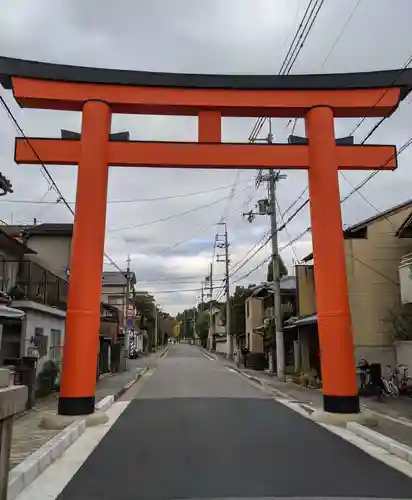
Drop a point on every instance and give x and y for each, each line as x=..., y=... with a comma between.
x=404, y=382
x=391, y=384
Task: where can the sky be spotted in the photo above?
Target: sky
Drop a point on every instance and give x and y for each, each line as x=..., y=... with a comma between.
x=171, y=257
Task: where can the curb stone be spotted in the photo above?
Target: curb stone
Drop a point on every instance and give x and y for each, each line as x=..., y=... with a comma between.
x=392, y=446
x=28, y=470
x=120, y=393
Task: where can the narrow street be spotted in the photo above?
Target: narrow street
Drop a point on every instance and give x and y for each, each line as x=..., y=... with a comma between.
x=198, y=430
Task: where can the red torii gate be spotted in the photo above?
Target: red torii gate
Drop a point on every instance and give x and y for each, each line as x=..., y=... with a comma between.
x=98, y=93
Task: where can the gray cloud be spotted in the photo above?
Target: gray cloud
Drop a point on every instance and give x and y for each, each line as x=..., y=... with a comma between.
x=234, y=36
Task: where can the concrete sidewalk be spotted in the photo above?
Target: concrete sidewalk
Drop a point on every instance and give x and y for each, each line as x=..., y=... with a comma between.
x=28, y=437
x=394, y=416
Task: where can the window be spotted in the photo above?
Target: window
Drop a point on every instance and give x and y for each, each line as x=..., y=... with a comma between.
x=55, y=345
x=247, y=309
x=115, y=300
x=39, y=342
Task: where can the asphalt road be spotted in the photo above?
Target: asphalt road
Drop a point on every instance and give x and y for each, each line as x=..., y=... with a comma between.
x=198, y=431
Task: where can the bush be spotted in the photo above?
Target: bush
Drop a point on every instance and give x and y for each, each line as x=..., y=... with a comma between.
x=46, y=379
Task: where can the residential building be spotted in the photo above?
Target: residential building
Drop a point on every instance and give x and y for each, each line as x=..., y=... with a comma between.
x=114, y=290
x=40, y=294
x=259, y=317
x=51, y=243
x=217, y=328
x=374, y=249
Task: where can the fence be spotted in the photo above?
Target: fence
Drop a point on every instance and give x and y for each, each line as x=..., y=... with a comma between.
x=36, y=283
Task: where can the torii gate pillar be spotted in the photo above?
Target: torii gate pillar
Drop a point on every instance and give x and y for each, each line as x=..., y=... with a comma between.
x=78, y=381
x=98, y=93
x=332, y=300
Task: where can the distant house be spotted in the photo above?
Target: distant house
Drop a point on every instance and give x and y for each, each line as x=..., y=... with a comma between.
x=114, y=290
x=374, y=250
x=217, y=328
x=259, y=317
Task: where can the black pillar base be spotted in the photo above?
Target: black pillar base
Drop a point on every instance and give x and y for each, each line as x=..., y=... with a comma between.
x=76, y=406
x=341, y=404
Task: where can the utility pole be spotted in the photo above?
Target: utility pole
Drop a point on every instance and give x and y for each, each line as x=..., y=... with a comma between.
x=156, y=326
x=209, y=280
x=225, y=245
x=277, y=309
x=268, y=207
x=126, y=345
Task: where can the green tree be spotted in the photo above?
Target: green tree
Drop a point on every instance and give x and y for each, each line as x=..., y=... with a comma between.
x=202, y=327
x=282, y=268
x=145, y=309
x=187, y=320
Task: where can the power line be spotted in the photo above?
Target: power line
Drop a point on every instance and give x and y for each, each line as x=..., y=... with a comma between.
x=406, y=145
x=375, y=172
x=169, y=217
x=375, y=127
x=342, y=31
x=375, y=270
x=311, y=21
x=137, y=200
x=43, y=167
x=177, y=290
x=269, y=257
x=286, y=231
x=309, y=17
x=296, y=200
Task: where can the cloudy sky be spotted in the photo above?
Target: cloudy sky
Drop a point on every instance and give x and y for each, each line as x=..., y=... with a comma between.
x=171, y=257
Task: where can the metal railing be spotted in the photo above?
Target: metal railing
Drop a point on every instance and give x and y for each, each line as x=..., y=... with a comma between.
x=35, y=283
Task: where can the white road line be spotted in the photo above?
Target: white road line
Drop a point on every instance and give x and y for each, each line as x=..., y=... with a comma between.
x=55, y=478
x=210, y=358
x=369, y=448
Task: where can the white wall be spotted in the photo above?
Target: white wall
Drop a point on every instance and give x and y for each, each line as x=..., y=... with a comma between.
x=53, y=253
x=404, y=354
x=221, y=347
x=38, y=319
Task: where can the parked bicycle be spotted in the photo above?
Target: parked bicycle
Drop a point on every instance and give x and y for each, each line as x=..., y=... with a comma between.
x=395, y=384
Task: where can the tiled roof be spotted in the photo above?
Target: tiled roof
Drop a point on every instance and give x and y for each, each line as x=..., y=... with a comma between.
x=43, y=229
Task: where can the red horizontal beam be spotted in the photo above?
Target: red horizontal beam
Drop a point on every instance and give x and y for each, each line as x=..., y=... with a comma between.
x=206, y=155
x=69, y=96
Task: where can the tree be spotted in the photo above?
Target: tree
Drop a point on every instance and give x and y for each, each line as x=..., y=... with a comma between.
x=402, y=323
x=145, y=309
x=237, y=309
x=202, y=327
x=186, y=319
x=282, y=269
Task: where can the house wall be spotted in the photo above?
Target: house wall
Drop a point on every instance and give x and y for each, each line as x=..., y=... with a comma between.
x=37, y=319
x=254, y=318
x=109, y=294
x=53, y=253
x=221, y=346
x=373, y=293
x=306, y=298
